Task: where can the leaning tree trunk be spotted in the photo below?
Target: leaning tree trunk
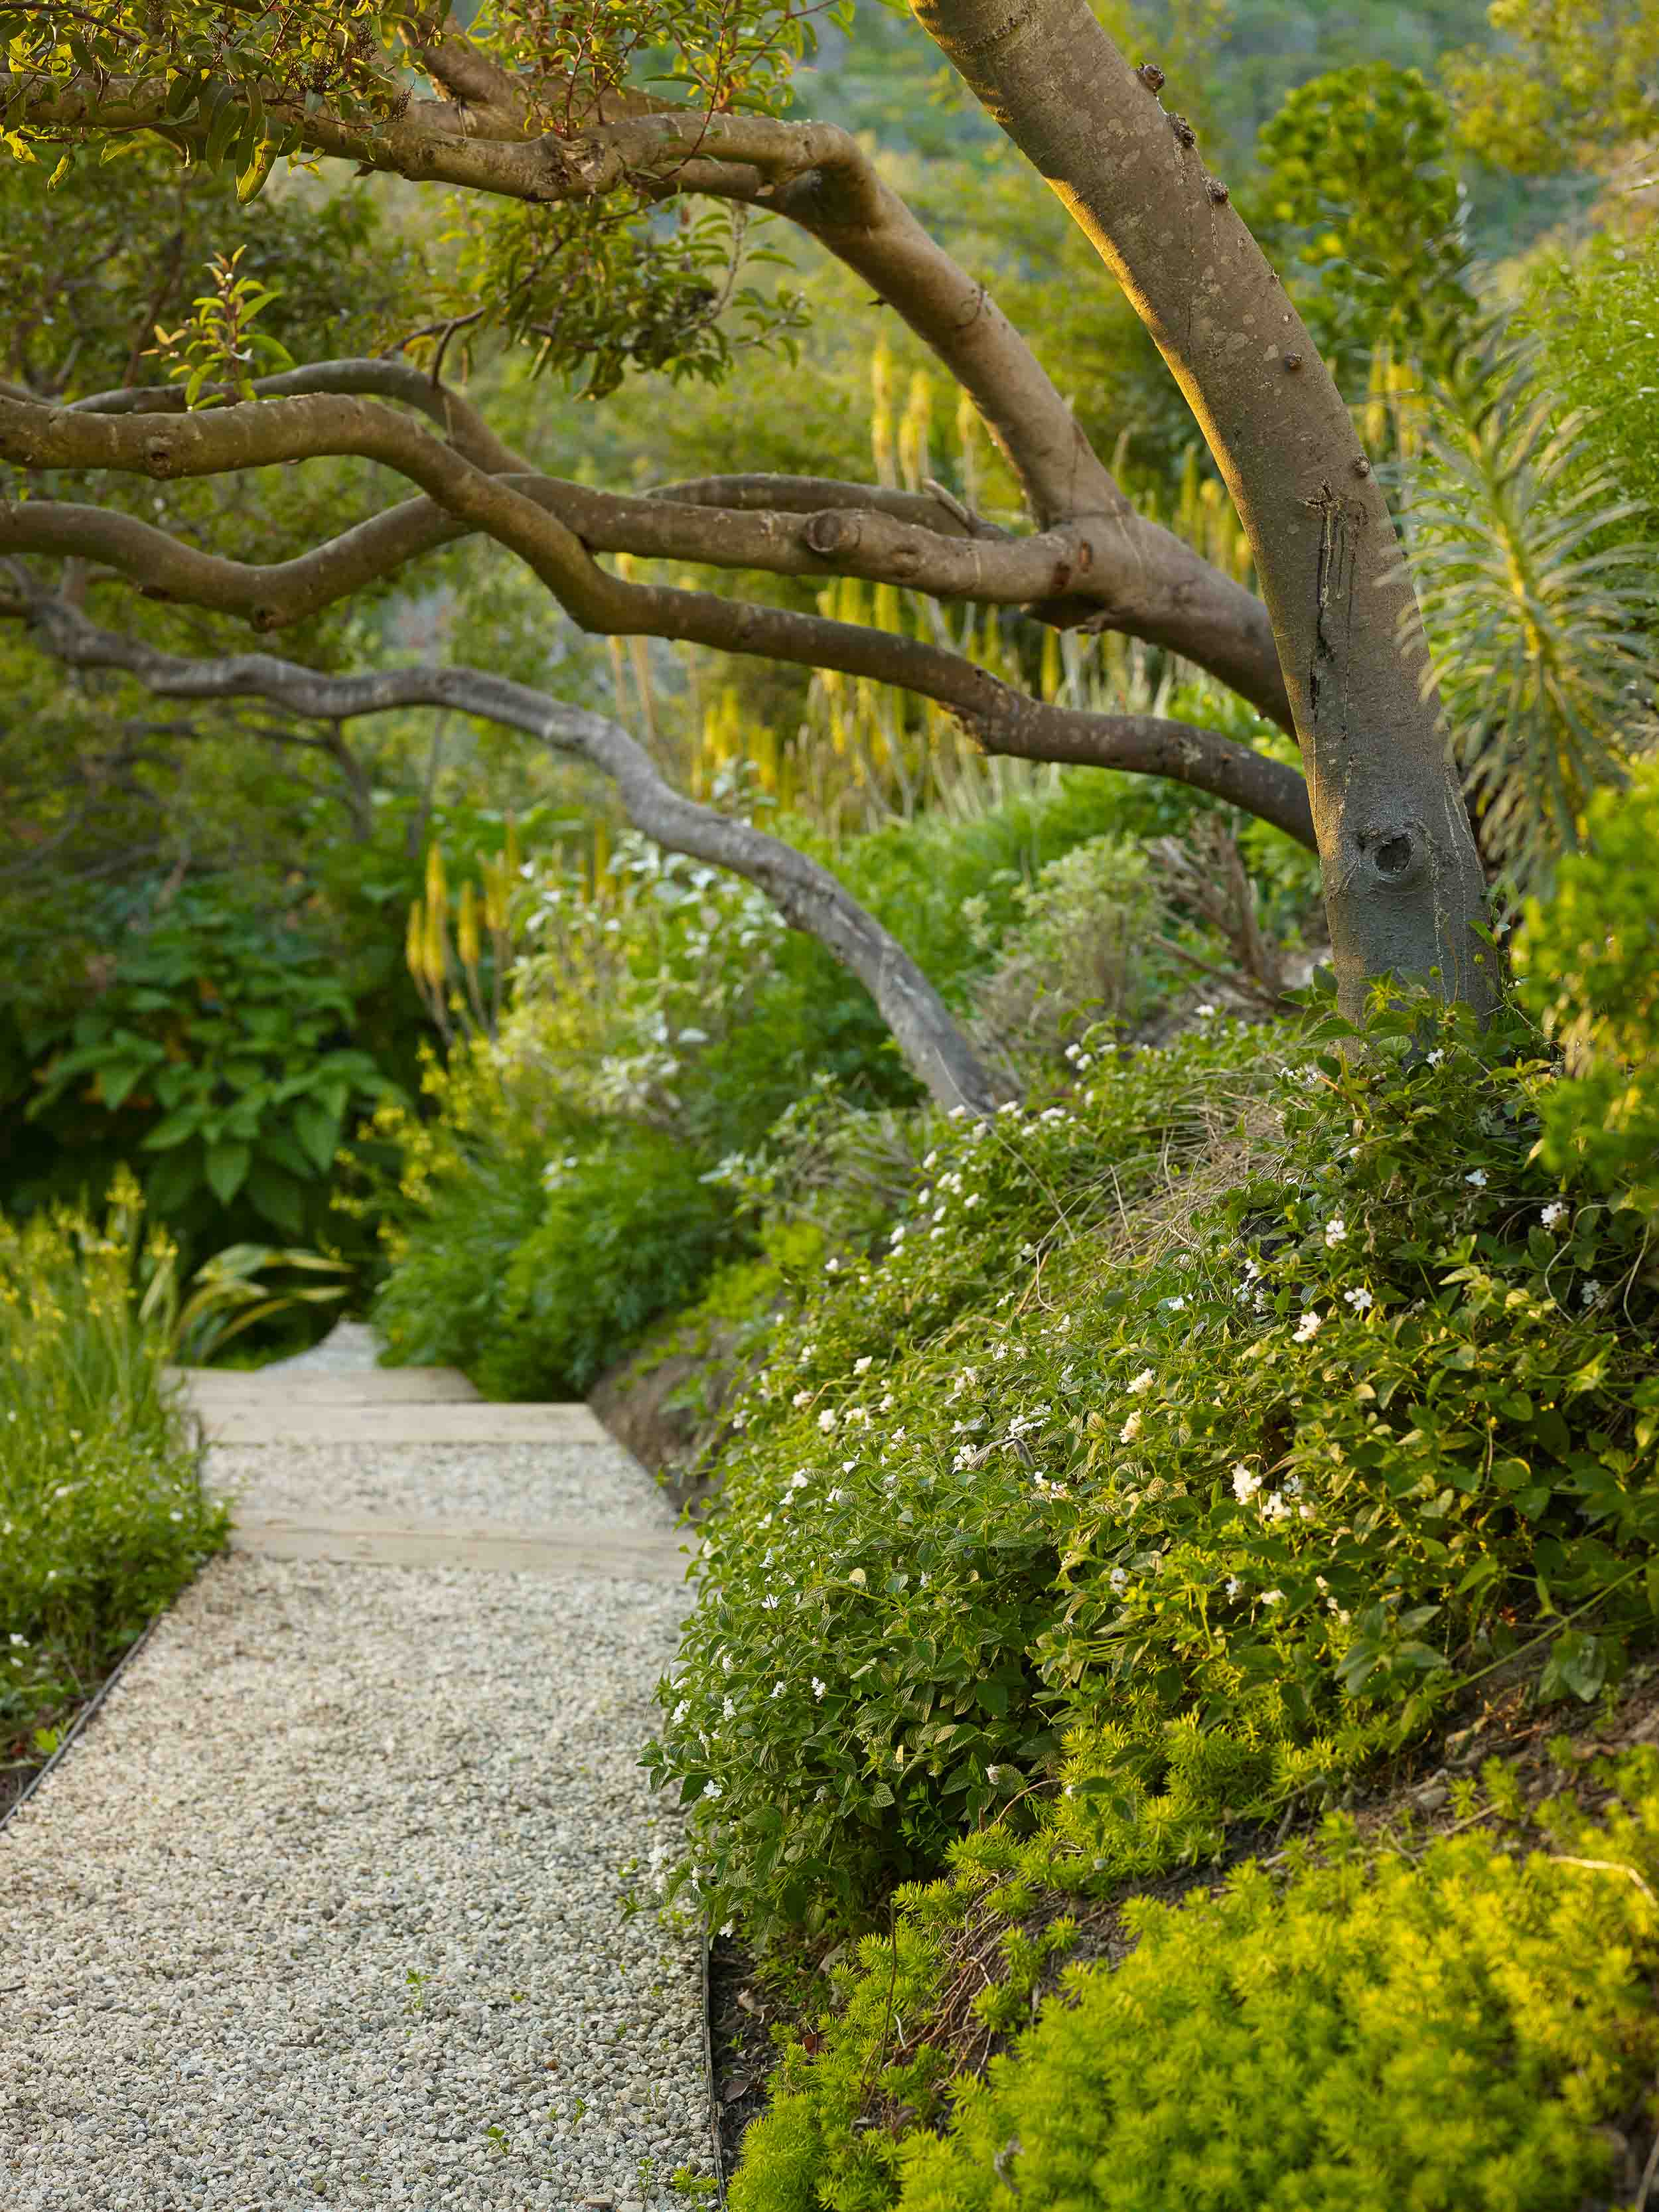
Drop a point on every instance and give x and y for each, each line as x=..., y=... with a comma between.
x=1403, y=884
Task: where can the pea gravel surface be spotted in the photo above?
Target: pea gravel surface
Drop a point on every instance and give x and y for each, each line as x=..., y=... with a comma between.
x=509, y=1487
x=328, y=1906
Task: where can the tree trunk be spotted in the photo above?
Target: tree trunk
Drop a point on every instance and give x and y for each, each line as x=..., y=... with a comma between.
x=1403, y=883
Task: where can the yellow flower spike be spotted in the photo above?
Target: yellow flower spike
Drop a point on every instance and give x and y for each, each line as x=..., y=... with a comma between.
x=435, y=946
x=467, y=944
x=437, y=895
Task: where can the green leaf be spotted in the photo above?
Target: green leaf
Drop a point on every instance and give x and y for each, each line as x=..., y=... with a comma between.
x=227, y=1166
x=319, y=1131
x=178, y=1128
x=277, y=1197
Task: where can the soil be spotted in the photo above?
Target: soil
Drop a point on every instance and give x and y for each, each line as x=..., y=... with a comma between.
x=739, y=2022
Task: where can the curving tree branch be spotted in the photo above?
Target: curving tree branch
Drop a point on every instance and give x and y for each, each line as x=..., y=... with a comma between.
x=545, y=523
x=807, y=896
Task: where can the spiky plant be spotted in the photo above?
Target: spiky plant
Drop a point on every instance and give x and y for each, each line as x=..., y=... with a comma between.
x=1538, y=600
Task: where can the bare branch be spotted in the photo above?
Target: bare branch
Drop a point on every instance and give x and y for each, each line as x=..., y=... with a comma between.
x=807, y=896
x=459, y=421
x=257, y=435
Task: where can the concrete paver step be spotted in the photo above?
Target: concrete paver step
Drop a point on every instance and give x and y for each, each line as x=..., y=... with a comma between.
x=376, y=1386
x=579, y=1548
x=299, y=1420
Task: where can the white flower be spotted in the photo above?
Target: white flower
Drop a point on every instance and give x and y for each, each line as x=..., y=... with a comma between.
x=1233, y=1586
x=1203, y=1010
x=827, y=1419
x=1176, y=1305
x=20, y=1642
x=992, y=1774
x=832, y=1267
x=1245, y=1485
x=801, y=1398
x=777, y=1689
x=897, y=1236
x=1591, y=1291
x=729, y=1709
x=1274, y=1507
x=1476, y=1178
x=887, y=1403
x=1336, y=1232
x=797, y=1479
x=819, y=1688
x=1130, y=1430
x=1553, y=1214
x=1360, y=1299
x=1309, y=1327
x=770, y=1602
x=862, y=1366
x=1273, y=1597
x=712, y=1790
x=680, y=1711
x=1435, y=1057
x=1118, y=1576
x=836, y=1495
x=1142, y=1383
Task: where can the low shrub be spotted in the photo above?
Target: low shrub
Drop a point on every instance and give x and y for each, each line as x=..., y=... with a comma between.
x=1173, y=1527
x=102, y=1520
x=1464, y=2023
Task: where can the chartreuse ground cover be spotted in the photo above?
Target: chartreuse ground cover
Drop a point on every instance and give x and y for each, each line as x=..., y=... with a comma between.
x=102, y=1519
x=1193, y=1444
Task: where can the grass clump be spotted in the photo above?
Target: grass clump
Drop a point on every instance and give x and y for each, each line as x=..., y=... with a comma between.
x=102, y=1520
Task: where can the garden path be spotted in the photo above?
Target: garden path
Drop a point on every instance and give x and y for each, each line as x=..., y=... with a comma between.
x=326, y=1906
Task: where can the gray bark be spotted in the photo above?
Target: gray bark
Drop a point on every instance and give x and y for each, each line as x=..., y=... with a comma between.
x=1404, y=885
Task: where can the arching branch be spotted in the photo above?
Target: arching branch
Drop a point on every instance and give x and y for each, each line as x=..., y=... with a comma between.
x=807, y=896
x=520, y=514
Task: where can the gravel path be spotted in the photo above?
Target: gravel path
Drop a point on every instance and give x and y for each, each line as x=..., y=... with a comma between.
x=326, y=1906
x=510, y=1486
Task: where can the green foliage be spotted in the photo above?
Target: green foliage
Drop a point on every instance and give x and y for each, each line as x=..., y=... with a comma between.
x=631, y=1230
x=1196, y=1524
x=1571, y=80
x=1463, y=2026
x=216, y=349
x=875, y=1518
x=218, y=1053
x=660, y=1026
x=1358, y=190
x=1589, y=965
x=1537, y=600
x=102, y=1521
x=1594, y=313
x=1084, y=949
x=88, y=268
x=600, y=294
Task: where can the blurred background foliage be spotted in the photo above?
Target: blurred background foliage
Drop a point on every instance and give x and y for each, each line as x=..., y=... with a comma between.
x=219, y=915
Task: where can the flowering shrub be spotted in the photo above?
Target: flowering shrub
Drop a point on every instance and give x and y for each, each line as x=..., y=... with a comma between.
x=859, y=1680
x=1158, y=1532
x=1464, y=2027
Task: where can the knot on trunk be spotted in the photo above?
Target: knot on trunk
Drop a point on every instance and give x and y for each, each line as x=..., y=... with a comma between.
x=831, y=532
